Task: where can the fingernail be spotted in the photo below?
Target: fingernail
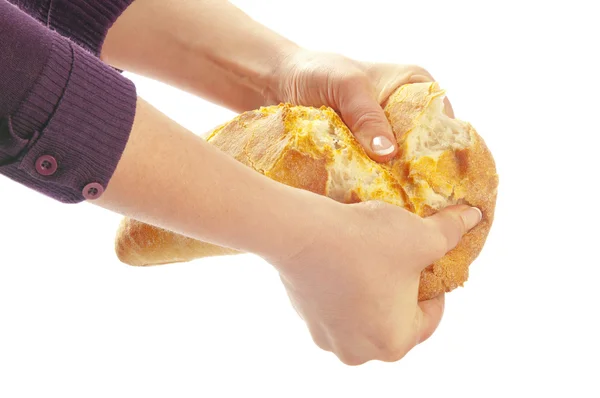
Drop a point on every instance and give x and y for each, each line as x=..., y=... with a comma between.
x=471, y=217
x=382, y=146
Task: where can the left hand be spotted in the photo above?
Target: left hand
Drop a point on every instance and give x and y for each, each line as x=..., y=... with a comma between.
x=356, y=90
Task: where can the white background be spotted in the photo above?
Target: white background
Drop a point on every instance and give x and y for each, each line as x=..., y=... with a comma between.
x=75, y=322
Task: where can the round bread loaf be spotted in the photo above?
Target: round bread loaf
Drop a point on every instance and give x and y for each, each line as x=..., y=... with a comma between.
x=441, y=162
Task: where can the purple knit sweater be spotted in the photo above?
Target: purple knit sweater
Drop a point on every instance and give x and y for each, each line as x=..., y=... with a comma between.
x=65, y=116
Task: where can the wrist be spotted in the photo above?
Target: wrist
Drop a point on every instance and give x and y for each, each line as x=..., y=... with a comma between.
x=271, y=83
x=249, y=75
x=275, y=84
x=302, y=220
x=303, y=72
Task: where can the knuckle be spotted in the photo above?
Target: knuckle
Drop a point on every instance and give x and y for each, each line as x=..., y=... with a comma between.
x=457, y=229
x=350, y=82
x=350, y=359
x=389, y=344
x=374, y=209
x=416, y=70
x=370, y=118
x=354, y=78
x=442, y=236
x=438, y=246
x=321, y=342
x=393, y=354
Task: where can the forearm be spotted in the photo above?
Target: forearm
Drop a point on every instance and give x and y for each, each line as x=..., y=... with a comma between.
x=206, y=47
x=171, y=178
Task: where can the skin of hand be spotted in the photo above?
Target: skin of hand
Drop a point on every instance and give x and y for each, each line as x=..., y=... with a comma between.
x=356, y=90
x=356, y=286
x=355, y=283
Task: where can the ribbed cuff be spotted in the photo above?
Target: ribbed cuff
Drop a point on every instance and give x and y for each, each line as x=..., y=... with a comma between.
x=40, y=104
x=86, y=22
x=38, y=9
x=83, y=111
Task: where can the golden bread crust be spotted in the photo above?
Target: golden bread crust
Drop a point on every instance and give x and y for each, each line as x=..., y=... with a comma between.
x=461, y=175
x=441, y=162
x=141, y=244
x=476, y=185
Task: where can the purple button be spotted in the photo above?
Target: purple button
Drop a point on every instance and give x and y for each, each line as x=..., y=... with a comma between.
x=46, y=165
x=92, y=191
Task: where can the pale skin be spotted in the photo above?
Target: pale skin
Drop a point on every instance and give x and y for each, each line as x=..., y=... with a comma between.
x=355, y=281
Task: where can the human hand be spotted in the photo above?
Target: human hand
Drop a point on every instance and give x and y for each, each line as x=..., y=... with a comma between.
x=356, y=283
x=356, y=90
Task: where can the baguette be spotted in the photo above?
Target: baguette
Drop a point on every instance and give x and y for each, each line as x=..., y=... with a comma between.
x=441, y=161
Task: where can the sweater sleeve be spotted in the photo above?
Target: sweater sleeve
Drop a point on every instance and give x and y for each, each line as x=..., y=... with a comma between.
x=86, y=22
x=65, y=116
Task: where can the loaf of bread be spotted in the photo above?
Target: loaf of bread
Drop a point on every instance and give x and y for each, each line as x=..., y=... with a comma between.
x=441, y=161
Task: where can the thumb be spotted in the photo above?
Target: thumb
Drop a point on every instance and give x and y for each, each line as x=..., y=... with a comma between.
x=453, y=222
x=424, y=79
x=366, y=119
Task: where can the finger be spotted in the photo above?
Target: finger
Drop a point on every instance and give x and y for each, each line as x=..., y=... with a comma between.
x=429, y=317
x=448, y=108
x=421, y=79
x=428, y=78
x=451, y=223
x=366, y=119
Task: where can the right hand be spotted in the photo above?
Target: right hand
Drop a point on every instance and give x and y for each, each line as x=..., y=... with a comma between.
x=356, y=283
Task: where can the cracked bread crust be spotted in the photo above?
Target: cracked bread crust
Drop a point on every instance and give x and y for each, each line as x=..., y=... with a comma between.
x=460, y=171
x=441, y=161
